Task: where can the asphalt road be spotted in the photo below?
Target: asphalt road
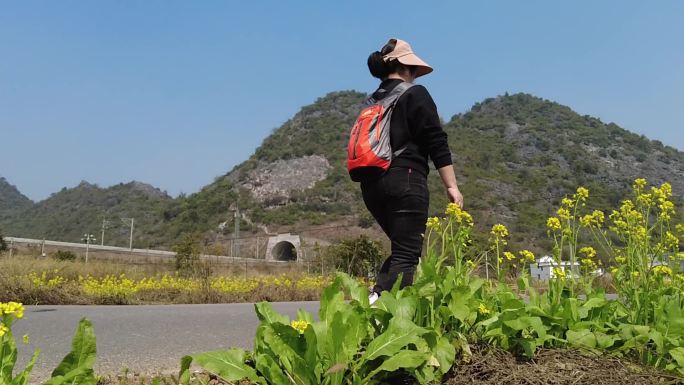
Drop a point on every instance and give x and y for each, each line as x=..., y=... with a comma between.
x=143, y=339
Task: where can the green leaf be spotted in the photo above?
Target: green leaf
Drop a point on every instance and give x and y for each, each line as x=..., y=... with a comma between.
x=265, y=313
x=406, y=359
x=678, y=355
x=184, y=373
x=77, y=366
x=269, y=369
x=23, y=378
x=445, y=354
x=357, y=292
x=229, y=365
x=399, y=333
x=8, y=357
x=581, y=338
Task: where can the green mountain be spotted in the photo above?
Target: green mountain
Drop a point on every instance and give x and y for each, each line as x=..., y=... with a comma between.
x=70, y=213
x=515, y=156
x=11, y=200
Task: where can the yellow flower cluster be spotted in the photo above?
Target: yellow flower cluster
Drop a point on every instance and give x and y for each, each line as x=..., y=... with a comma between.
x=499, y=230
x=299, y=325
x=508, y=255
x=123, y=286
x=527, y=256
x=596, y=218
x=3, y=329
x=43, y=281
x=588, y=251
x=460, y=216
x=582, y=194
x=662, y=270
x=553, y=224
x=12, y=308
x=433, y=223
x=558, y=272
x=482, y=309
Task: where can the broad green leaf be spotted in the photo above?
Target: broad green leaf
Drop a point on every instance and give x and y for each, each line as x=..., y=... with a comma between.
x=581, y=338
x=184, y=373
x=265, y=313
x=77, y=366
x=356, y=291
x=678, y=355
x=604, y=341
x=292, y=363
x=269, y=369
x=407, y=359
x=305, y=316
x=445, y=354
x=23, y=378
x=8, y=356
x=229, y=365
x=591, y=303
x=400, y=333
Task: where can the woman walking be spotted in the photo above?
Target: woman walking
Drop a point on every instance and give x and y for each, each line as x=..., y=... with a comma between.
x=396, y=194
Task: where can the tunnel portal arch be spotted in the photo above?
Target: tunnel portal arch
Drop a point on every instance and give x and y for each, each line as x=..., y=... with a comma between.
x=284, y=251
x=283, y=247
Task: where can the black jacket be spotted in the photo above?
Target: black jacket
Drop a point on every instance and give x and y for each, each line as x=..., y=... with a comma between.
x=415, y=122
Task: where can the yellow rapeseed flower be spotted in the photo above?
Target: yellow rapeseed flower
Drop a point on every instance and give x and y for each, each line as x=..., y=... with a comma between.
x=299, y=325
x=470, y=264
x=508, y=255
x=3, y=329
x=671, y=241
x=582, y=194
x=499, y=230
x=588, y=251
x=482, y=309
x=12, y=308
x=620, y=259
x=662, y=270
x=433, y=223
x=635, y=274
x=527, y=256
x=558, y=272
x=614, y=270
x=563, y=213
x=639, y=183
x=567, y=202
x=553, y=224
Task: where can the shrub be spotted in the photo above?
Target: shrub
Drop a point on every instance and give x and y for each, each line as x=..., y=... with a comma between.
x=64, y=255
x=355, y=256
x=187, y=253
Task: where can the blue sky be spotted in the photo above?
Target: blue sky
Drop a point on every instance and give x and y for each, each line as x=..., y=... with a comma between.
x=175, y=93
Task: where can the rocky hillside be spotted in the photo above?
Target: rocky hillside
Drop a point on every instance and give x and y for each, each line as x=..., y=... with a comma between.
x=516, y=156
x=11, y=200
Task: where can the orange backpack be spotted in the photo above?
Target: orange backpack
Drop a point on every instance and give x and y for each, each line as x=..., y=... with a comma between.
x=369, y=140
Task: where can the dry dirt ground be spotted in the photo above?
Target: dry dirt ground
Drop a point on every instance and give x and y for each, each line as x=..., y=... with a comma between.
x=494, y=367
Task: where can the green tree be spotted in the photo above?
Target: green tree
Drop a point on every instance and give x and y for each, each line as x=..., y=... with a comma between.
x=3, y=244
x=355, y=256
x=188, y=253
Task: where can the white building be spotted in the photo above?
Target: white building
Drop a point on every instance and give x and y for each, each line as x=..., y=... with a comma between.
x=543, y=268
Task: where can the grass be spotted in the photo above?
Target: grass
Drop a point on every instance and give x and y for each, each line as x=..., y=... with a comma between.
x=43, y=280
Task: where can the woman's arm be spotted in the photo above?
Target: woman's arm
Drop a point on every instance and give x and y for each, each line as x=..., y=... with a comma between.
x=449, y=179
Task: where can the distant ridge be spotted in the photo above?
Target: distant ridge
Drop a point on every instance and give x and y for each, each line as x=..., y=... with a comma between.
x=515, y=156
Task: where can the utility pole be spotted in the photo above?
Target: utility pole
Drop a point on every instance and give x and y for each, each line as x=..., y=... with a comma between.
x=236, y=232
x=88, y=238
x=130, y=242
x=105, y=222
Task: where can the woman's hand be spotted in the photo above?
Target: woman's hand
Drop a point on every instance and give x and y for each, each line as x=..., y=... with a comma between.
x=455, y=196
x=449, y=179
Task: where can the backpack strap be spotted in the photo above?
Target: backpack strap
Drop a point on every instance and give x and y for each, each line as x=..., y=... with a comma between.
x=396, y=93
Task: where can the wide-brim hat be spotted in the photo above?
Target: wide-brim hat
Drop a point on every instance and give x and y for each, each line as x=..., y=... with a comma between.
x=404, y=54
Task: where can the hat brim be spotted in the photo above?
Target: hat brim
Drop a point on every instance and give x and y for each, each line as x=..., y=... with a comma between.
x=411, y=59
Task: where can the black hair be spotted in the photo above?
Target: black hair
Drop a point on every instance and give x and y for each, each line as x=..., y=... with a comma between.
x=380, y=68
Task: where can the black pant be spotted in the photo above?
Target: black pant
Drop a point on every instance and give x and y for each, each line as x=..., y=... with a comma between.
x=398, y=201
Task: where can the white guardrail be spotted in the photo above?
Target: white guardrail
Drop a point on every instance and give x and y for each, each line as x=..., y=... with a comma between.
x=145, y=252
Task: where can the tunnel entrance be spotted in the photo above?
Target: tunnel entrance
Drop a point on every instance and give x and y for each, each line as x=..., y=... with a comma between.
x=284, y=251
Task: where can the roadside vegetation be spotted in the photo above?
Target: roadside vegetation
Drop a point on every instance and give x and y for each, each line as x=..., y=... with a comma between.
x=451, y=321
